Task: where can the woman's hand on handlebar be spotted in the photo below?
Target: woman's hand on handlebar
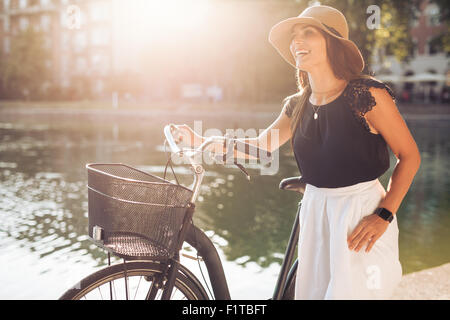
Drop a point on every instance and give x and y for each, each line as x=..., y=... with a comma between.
x=185, y=134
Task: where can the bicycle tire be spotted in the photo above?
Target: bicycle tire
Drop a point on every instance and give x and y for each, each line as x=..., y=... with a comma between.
x=185, y=282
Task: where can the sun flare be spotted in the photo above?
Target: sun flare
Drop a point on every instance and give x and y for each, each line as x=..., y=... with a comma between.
x=144, y=18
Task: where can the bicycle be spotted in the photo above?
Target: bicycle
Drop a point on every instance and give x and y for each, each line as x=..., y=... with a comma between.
x=126, y=220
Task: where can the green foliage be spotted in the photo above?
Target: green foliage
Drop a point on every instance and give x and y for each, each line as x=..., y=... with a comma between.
x=444, y=8
x=393, y=30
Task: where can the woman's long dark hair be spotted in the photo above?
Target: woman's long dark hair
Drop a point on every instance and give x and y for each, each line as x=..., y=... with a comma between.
x=342, y=64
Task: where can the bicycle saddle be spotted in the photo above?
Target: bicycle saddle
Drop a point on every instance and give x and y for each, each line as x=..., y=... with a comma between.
x=294, y=184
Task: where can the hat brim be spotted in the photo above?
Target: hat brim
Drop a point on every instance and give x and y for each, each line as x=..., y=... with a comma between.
x=280, y=38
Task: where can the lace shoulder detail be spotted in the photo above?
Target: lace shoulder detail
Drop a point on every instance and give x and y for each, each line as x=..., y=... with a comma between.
x=290, y=103
x=361, y=100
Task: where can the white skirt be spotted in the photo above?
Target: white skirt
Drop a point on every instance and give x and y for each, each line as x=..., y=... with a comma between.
x=327, y=268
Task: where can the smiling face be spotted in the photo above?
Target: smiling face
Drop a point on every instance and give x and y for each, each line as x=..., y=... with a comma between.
x=308, y=47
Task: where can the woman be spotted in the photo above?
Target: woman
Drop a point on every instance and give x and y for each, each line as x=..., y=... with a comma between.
x=340, y=123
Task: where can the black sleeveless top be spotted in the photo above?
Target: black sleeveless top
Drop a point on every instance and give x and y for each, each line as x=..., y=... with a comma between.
x=337, y=149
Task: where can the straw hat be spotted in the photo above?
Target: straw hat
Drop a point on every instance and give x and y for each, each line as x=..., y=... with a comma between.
x=326, y=18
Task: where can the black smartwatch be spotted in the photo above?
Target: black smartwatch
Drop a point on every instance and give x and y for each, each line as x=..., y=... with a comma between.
x=384, y=214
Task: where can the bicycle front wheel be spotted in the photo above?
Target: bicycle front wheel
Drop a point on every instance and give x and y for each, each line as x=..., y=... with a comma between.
x=140, y=284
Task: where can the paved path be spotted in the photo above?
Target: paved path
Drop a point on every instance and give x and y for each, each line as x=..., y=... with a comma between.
x=428, y=284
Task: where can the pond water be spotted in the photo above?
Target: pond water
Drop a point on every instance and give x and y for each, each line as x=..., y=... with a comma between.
x=44, y=248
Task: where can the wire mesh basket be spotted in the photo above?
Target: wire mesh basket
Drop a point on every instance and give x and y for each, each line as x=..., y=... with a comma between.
x=135, y=214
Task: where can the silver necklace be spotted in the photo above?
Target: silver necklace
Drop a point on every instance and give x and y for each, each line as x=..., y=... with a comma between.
x=315, y=111
x=316, y=115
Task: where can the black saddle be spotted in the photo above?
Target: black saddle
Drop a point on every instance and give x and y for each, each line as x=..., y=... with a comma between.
x=294, y=184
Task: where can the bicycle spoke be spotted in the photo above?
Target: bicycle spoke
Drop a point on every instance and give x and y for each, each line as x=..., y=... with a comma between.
x=115, y=294
x=173, y=293
x=140, y=278
x=117, y=285
x=100, y=292
x=160, y=294
x=110, y=291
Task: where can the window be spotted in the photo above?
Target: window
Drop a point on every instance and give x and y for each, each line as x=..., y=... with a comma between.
x=64, y=64
x=6, y=23
x=23, y=4
x=435, y=45
x=413, y=50
x=80, y=41
x=23, y=23
x=81, y=64
x=98, y=11
x=65, y=41
x=100, y=36
x=45, y=22
x=47, y=43
x=433, y=15
x=6, y=4
x=6, y=44
x=100, y=63
x=96, y=59
x=416, y=17
x=99, y=86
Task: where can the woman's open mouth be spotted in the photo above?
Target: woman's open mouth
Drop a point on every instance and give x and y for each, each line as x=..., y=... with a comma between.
x=302, y=53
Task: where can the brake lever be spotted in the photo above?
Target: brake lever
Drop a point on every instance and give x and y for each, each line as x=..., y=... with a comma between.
x=219, y=158
x=240, y=166
x=232, y=141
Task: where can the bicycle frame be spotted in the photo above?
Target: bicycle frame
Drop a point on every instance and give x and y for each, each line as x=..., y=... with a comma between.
x=206, y=249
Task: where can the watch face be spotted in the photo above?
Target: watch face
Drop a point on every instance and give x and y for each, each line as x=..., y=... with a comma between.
x=385, y=214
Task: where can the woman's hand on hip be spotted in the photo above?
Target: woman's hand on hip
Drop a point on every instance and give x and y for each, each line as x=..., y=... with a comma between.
x=368, y=231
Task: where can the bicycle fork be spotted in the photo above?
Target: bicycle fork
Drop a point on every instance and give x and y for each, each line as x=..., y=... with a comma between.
x=174, y=263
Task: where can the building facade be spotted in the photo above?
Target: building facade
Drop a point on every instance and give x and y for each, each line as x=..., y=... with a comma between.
x=428, y=58
x=77, y=34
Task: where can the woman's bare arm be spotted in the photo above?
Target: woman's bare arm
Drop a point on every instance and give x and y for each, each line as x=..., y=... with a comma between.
x=387, y=120
x=271, y=138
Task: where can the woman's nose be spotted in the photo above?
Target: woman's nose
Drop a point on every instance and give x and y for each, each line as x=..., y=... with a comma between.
x=297, y=40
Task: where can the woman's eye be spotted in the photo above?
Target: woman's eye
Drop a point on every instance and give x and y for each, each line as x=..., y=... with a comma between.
x=305, y=34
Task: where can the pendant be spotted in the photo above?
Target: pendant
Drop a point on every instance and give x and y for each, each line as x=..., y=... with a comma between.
x=315, y=115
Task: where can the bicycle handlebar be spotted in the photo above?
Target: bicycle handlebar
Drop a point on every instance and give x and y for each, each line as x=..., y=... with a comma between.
x=244, y=147
x=168, y=133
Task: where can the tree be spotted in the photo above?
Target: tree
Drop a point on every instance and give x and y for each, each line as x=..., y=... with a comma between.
x=392, y=31
x=24, y=70
x=444, y=8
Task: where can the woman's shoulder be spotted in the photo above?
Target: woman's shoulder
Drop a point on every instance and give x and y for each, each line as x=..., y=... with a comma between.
x=358, y=93
x=363, y=83
x=290, y=102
